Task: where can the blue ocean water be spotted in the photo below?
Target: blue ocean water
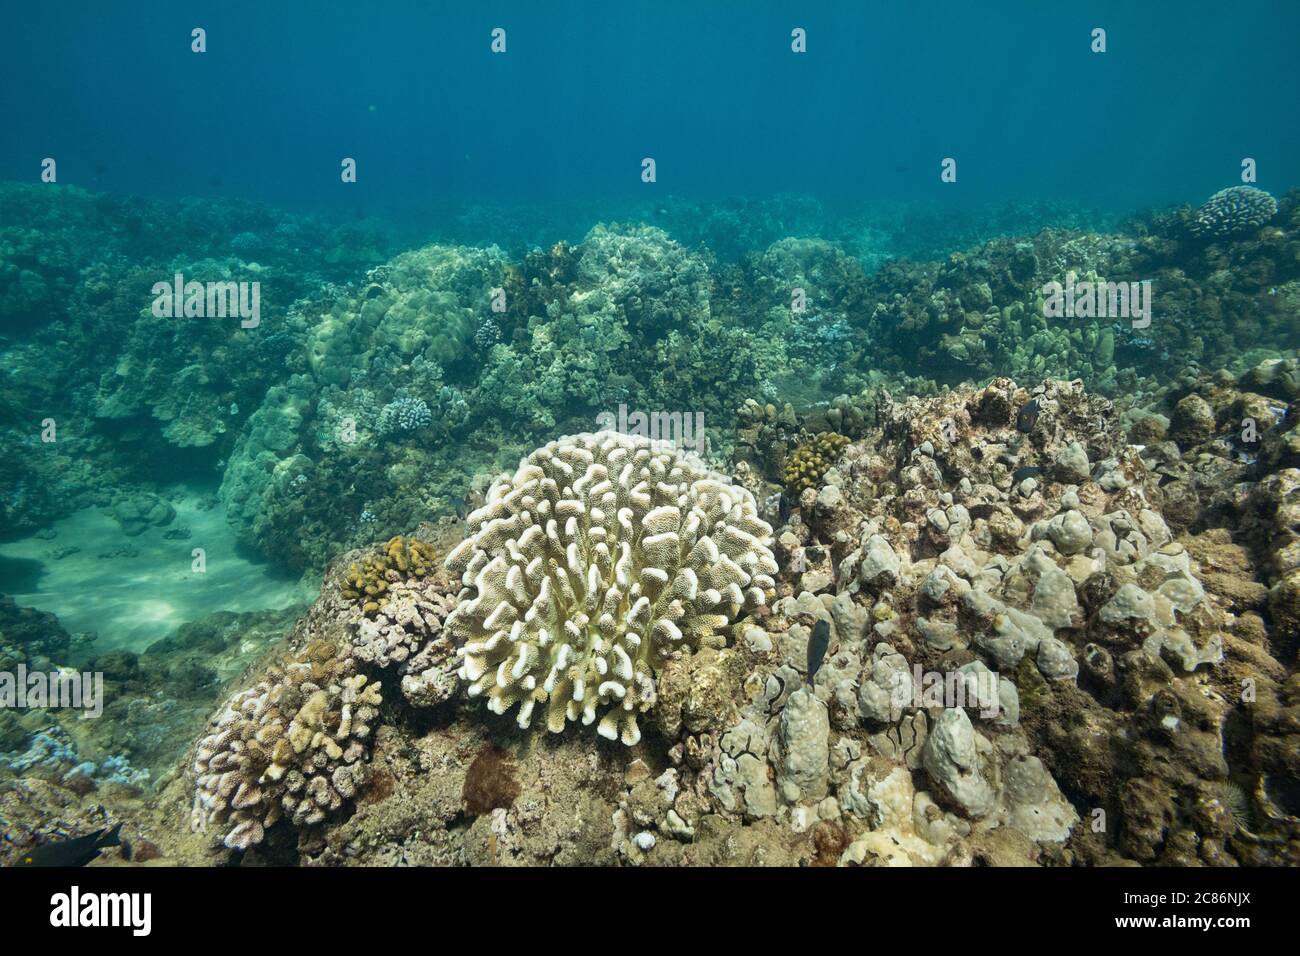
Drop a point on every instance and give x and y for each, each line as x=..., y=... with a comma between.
x=711, y=91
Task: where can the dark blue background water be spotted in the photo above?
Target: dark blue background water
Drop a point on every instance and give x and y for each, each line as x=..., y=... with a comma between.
x=709, y=89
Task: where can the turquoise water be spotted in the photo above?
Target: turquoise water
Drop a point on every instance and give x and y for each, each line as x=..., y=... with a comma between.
x=131, y=592
x=584, y=91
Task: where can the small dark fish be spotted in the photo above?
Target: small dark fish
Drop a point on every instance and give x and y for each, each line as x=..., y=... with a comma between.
x=1028, y=416
x=462, y=507
x=817, y=645
x=68, y=853
x=783, y=507
x=1029, y=471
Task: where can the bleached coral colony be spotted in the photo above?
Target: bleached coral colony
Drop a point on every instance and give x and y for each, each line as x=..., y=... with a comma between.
x=601, y=556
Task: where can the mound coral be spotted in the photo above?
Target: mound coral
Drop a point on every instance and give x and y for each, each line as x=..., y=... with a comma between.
x=1233, y=210
x=586, y=570
x=290, y=747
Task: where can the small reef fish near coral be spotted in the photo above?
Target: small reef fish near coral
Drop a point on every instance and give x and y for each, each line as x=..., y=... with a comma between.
x=75, y=852
x=569, y=435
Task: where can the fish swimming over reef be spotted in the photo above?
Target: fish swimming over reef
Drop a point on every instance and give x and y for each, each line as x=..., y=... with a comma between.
x=76, y=852
x=817, y=645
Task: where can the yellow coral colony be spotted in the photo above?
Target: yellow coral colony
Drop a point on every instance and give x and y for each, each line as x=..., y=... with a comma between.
x=403, y=558
x=810, y=461
x=598, y=559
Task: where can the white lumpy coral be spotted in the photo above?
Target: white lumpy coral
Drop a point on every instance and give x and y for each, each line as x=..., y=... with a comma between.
x=589, y=567
x=292, y=747
x=1233, y=210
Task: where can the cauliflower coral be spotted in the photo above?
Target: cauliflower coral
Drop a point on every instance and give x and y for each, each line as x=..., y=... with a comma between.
x=600, y=558
x=1233, y=210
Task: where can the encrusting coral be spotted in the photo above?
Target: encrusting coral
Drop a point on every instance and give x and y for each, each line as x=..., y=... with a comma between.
x=601, y=557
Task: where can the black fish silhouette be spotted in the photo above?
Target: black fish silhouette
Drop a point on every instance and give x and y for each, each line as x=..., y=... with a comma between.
x=1028, y=416
x=75, y=852
x=817, y=645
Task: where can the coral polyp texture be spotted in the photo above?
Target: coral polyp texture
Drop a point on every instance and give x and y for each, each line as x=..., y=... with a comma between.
x=292, y=747
x=369, y=579
x=1234, y=210
x=598, y=560
x=805, y=468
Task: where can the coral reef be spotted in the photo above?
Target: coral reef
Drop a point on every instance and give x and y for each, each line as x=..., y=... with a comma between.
x=383, y=393
x=1021, y=646
x=1063, y=615
x=81, y=347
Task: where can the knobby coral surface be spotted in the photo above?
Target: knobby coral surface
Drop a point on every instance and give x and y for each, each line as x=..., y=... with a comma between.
x=291, y=746
x=596, y=561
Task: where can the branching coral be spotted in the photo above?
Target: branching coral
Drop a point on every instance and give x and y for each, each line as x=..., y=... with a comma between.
x=410, y=620
x=589, y=567
x=290, y=747
x=403, y=414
